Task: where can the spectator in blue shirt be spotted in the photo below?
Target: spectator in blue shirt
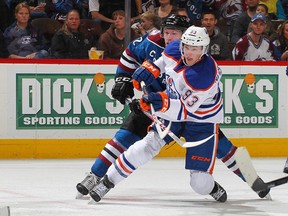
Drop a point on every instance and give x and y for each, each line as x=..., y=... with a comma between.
x=22, y=39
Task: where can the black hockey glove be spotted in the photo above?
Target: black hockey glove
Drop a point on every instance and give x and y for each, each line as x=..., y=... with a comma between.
x=122, y=89
x=135, y=107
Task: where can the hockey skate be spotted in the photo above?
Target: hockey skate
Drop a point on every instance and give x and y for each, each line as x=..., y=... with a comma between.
x=101, y=189
x=219, y=193
x=87, y=185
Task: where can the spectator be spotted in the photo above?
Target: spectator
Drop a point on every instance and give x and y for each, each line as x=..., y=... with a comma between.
x=183, y=12
x=218, y=46
x=242, y=22
x=276, y=10
x=22, y=39
x=194, y=9
x=228, y=12
x=255, y=46
x=69, y=42
x=148, y=5
x=280, y=44
x=37, y=8
x=285, y=6
x=3, y=49
x=166, y=8
x=263, y=9
x=149, y=22
x=112, y=41
x=102, y=10
x=60, y=8
x=229, y=9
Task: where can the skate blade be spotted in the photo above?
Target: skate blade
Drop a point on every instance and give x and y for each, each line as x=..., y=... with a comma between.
x=92, y=202
x=268, y=197
x=81, y=196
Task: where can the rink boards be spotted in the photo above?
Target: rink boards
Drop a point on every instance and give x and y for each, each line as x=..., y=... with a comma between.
x=64, y=109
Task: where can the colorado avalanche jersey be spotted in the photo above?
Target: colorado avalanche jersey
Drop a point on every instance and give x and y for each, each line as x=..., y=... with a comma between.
x=196, y=86
x=148, y=47
x=246, y=50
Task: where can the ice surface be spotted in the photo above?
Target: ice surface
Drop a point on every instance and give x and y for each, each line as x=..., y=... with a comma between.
x=161, y=187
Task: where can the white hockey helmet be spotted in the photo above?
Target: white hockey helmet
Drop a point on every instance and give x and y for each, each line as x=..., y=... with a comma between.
x=196, y=36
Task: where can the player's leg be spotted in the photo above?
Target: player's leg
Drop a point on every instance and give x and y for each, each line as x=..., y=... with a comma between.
x=204, y=183
x=137, y=155
x=200, y=160
x=226, y=153
x=133, y=129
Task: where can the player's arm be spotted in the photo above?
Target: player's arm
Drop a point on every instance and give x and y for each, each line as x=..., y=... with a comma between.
x=129, y=61
x=195, y=92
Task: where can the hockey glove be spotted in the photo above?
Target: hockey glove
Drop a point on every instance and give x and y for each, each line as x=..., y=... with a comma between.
x=135, y=107
x=159, y=100
x=122, y=89
x=147, y=73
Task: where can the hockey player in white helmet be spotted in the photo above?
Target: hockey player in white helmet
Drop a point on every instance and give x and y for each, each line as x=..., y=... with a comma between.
x=192, y=101
x=226, y=149
x=196, y=42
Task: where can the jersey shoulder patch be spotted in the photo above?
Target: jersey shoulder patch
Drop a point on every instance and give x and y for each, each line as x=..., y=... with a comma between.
x=173, y=50
x=156, y=39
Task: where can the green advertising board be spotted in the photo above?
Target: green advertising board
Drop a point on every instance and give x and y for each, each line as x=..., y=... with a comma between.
x=83, y=101
x=250, y=102
x=67, y=101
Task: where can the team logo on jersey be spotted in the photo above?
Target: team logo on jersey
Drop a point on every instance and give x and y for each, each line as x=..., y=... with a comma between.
x=170, y=88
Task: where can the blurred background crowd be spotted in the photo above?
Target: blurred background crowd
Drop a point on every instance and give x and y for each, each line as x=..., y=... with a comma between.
x=245, y=30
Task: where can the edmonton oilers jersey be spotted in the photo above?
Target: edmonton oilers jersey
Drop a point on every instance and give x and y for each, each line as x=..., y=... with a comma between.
x=196, y=86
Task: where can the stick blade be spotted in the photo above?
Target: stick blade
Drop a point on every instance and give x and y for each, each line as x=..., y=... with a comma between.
x=196, y=143
x=163, y=133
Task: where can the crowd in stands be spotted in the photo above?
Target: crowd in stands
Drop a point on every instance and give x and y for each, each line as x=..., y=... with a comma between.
x=248, y=30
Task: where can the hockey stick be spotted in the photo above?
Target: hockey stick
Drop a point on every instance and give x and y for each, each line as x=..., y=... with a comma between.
x=173, y=136
x=277, y=182
x=169, y=132
x=285, y=170
x=162, y=131
x=247, y=169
